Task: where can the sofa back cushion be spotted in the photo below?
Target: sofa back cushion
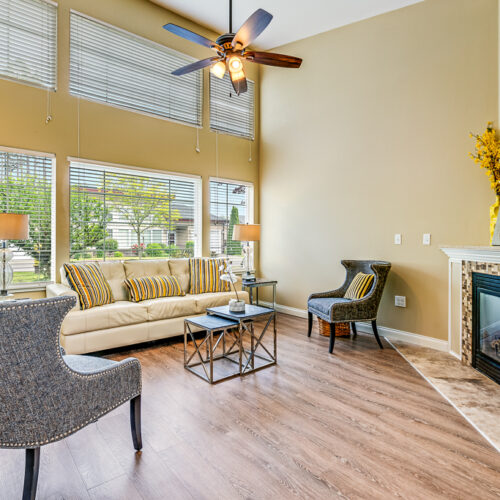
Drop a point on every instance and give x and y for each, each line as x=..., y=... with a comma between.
x=205, y=276
x=114, y=273
x=90, y=284
x=141, y=268
x=180, y=269
x=153, y=287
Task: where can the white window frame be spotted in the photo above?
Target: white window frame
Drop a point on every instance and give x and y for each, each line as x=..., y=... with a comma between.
x=251, y=205
x=38, y=286
x=160, y=174
x=35, y=84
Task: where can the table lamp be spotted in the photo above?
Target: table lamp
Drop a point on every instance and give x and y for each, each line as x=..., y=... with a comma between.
x=247, y=232
x=12, y=227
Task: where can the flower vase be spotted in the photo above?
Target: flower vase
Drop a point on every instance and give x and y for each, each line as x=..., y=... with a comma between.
x=494, y=223
x=237, y=305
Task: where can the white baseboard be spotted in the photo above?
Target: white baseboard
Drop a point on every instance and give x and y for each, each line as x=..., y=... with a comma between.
x=390, y=333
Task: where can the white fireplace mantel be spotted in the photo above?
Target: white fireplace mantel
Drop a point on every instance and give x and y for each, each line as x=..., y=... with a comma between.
x=457, y=255
x=476, y=254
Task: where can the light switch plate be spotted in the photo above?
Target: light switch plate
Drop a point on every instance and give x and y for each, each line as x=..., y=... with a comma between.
x=397, y=239
x=400, y=301
x=426, y=240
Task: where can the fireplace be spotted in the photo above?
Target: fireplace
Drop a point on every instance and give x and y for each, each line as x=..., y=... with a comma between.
x=486, y=324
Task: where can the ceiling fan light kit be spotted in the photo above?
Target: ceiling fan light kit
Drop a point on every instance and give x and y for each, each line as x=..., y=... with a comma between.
x=231, y=49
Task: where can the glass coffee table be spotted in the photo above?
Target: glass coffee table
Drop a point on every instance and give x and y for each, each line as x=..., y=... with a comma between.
x=240, y=347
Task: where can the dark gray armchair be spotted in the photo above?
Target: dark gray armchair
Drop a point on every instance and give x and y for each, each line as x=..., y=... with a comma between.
x=45, y=395
x=333, y=308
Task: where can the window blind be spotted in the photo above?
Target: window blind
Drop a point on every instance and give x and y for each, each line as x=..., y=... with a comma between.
x=124, y=213
x=26, y=186
x=230, y=113
x=28, y=41
x=230, y=203
x=115, y=67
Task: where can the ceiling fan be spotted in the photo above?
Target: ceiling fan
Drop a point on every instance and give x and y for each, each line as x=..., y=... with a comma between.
x=231, y=49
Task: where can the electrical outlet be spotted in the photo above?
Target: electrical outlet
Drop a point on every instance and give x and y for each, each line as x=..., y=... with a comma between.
x=426, y=240
x=400, y=301
x=397, y=239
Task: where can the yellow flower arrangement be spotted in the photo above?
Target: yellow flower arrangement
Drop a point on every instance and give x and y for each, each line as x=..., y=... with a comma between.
x=487, y=156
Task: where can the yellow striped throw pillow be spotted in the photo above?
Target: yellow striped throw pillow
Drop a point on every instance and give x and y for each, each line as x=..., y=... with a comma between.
x=205, y=276
x=360, y=286
x=153, y=287
x=90, y=284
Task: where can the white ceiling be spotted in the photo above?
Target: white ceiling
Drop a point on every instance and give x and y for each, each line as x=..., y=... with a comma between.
x=293, y=19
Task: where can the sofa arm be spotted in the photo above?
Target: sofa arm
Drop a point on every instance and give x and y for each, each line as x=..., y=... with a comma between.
x=58, y=290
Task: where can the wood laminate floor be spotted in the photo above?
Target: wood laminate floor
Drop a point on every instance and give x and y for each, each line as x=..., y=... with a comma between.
x=360, y=423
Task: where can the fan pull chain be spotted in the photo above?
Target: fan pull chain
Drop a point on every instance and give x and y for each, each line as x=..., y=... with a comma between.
x=197, y=148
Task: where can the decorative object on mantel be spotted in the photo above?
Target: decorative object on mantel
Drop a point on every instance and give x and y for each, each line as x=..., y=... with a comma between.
x=235, y=305
x=12, y=227
x=231, y=49
x=488, y=157
x=248, y=233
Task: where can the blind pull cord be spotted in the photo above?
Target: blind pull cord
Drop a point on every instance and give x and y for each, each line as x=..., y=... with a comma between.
x=197, y=148
x=48, y=118
x=250, y=152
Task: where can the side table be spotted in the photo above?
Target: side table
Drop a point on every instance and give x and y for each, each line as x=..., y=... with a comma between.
x=259, y=282
x=229, y=331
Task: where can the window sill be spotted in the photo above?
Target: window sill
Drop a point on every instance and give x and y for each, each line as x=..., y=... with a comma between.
x=29, y=287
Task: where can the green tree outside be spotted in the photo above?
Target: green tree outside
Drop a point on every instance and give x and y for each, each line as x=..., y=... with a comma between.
x=233, y=247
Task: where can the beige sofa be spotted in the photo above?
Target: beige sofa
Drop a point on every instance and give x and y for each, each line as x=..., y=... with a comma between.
x=125, y=323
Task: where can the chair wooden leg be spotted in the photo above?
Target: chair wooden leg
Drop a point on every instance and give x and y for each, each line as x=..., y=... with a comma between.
x=32, y=467
x=354, y=331
x=375, y=331
x=332, y=337
x=135, y=422
x=309, y=323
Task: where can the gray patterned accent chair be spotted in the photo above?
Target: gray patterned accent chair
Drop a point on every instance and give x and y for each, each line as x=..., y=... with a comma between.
x=45, y=395
x=333, y=308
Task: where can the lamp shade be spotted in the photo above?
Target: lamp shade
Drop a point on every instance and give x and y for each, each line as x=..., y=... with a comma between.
x=246, y=232
x=14, y=226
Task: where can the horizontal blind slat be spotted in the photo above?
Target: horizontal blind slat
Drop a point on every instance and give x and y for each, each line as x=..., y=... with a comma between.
x=115, y=67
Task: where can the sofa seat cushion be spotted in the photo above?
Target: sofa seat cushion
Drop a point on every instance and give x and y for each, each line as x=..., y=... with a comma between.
x=109, y=316
x=170, y=307
x=205, y=300
x=322, y=306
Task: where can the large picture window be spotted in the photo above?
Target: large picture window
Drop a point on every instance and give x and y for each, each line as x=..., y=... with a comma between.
x=231, y=113
x=26, y=187
x=112, y=66
x=231, y=202
x=28, y=41
x=127, y=213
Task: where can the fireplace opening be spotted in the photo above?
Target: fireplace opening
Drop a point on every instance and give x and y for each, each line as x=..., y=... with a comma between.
x=486, y=324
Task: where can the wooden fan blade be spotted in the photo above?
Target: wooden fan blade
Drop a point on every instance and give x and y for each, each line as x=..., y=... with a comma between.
x=191, y=36
x=195, y=66
x=271, y=59
x=252, y=28
x=239, y=85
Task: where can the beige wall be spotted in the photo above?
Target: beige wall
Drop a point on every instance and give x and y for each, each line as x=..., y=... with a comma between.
x=113, y=135
x=370, y=138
